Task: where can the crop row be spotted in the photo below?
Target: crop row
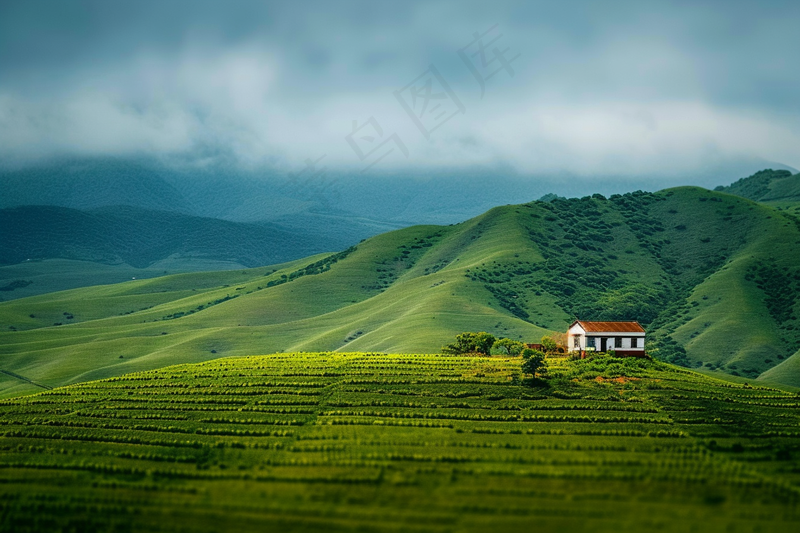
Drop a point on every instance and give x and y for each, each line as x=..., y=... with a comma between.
x=596, y=406
x=500, y=418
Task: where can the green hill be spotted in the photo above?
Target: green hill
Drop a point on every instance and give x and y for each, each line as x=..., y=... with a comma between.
x=31, y=278
x=377, y=442
x=779, y=188
x=713, y=276
x=786, y=372
x=46, y=248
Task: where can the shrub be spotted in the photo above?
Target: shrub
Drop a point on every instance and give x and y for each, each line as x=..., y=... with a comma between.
x=549, y=344
x=469, y=342
x=511, y=347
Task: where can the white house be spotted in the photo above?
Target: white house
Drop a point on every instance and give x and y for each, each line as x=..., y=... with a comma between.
x=625, y=338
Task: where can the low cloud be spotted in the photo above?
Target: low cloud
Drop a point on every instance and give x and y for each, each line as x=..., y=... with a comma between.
x=628, y=91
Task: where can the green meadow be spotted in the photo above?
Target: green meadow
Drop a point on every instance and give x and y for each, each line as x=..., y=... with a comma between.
x=376, y=442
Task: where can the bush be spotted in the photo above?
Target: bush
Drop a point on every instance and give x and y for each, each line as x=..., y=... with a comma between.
x=549, y=345
x=510, y=347
x=469, y=342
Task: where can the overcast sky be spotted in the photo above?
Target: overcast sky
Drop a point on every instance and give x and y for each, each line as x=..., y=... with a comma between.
x=591, y=88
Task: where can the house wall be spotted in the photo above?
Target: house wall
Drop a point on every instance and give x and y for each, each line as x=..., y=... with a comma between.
x=629, y=339
x=572, y=333
x=614, y=340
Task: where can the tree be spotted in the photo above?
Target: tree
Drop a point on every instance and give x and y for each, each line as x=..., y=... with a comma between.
x=469, y=342
x=549, y=344
x=465, y=343
x=511, y=347
x=534, y=361
x=484, y=342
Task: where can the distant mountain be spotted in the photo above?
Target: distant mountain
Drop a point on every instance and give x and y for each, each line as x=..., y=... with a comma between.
x=399, y=198
x=90, y=183
x=715, y=279
x=767, y=186
x=140, y=237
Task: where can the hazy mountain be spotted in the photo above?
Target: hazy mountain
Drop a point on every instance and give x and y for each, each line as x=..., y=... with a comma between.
x=375, y=198
x=90, y=183
x=140, y=237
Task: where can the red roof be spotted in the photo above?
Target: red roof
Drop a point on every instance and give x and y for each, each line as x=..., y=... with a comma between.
x=623, y=327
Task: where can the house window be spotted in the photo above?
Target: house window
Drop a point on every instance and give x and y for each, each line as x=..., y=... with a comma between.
x=590, y=342
x=640, y=342
x=577, y=341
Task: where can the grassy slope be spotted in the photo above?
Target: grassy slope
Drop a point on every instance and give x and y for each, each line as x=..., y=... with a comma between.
x=53, y=275
x=767, y=186
x=783, y=190
x=787, y=371
x=374, y=442
x=726, y=320
x=683, y=258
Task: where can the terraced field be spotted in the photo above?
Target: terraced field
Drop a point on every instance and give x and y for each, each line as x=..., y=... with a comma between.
x=375, y=442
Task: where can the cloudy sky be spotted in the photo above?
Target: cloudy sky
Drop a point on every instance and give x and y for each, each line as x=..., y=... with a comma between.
x=589, y=88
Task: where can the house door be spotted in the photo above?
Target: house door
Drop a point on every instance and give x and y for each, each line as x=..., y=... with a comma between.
x=603, y=344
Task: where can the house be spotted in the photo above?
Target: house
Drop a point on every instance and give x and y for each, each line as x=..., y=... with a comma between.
x=625, y=338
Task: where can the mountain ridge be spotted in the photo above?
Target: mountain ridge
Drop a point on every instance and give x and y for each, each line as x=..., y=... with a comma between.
x=770, y=186
x=141, y=237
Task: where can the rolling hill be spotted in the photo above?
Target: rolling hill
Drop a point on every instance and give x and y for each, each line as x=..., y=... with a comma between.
x=107, y=243
x=354, y=442
x=775, y=187
x=34, y=277
x=47, y=248
x=714, y=276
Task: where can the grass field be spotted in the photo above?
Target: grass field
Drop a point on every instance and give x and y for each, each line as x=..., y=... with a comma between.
x=32, y=278
x=377, y=442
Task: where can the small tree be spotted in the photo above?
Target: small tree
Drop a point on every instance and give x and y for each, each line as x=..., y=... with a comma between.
x=549, y=344
x=465, y=343
x=534, y=361
x=511, y=347
x=484, y=342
